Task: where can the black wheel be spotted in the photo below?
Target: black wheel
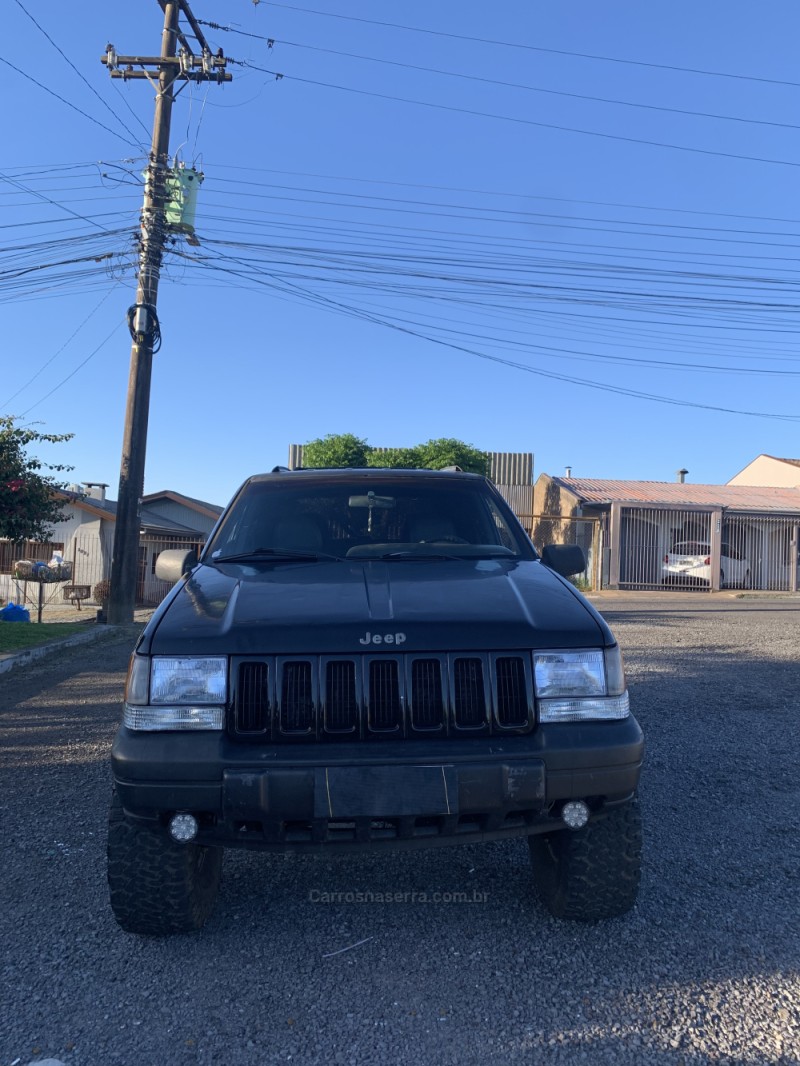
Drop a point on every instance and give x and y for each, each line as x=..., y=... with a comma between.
x=591, y=873
x=158, y=887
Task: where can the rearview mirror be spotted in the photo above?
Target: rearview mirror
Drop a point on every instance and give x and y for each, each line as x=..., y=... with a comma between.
x=382, y=503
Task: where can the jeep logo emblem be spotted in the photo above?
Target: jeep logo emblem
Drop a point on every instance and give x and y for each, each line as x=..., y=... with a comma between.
x=382, y=638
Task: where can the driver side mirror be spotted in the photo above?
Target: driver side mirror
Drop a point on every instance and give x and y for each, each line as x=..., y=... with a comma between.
x=173, y=563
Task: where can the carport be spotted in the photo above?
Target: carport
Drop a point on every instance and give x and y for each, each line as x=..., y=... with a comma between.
x=751, y=533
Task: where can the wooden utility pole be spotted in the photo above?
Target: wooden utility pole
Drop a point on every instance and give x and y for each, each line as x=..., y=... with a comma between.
x=162, y=72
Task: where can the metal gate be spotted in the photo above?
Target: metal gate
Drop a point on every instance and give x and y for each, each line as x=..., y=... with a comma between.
x=769, y=546
x=702, y=548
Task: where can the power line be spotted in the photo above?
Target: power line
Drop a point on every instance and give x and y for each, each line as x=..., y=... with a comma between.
x=516, y=119
x=539, y=48
x=552, y=375
x=506, y=84
x=56, y=354
x=507, y=193
x=72, y=374
x=489, y=212
x=67, y=60
x=53, y=203
x=97, y=122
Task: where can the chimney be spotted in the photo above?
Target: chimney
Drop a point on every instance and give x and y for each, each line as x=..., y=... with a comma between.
x=568, y=472
x=681, y=475
x=96, y=490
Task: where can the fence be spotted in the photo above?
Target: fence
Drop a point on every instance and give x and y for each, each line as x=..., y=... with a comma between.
x=56, y=580
x=703, y=548
x=585, y=532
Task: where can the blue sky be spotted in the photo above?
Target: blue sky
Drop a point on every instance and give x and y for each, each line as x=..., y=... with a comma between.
x=569, y=229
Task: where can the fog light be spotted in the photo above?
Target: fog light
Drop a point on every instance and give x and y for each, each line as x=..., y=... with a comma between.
x=183, y=828
x=575, y=814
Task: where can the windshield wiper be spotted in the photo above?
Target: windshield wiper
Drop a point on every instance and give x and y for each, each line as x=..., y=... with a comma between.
x=272, y=553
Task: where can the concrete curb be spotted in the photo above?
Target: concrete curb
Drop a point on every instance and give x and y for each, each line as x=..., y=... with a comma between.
x=8, y=660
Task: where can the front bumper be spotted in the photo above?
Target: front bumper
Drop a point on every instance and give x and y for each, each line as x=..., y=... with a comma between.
x=401, y=794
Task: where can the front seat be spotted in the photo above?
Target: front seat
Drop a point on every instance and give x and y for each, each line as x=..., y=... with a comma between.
x=301, y=533
x=432, y=528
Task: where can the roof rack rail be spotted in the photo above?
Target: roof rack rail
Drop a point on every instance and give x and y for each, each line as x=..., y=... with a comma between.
x=454, y=469
x=280, y=470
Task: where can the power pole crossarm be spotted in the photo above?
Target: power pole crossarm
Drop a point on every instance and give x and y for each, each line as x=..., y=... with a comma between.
x=186, y=67
x=164, y=71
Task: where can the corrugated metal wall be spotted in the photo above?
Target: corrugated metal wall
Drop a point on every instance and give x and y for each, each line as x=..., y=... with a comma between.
x=295, y=456
x=520, y=499
x=511, y=468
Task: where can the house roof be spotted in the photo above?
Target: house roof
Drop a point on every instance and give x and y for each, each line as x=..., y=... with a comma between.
x=791, y=462
x=732, y=497
x=153, y=522
x=101, y=508
x=148, y=519
x=210, y=510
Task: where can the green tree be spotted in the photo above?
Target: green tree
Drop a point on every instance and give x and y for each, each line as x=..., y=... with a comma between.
x=447, y=451
x=29, y=506
x=402, y=458
x=336, y=450
x=347, y=450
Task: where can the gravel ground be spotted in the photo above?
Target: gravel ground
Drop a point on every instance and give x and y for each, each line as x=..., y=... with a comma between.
x=704, y=970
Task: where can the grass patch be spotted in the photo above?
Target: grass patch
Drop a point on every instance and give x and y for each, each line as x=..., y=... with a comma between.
x=17, y=636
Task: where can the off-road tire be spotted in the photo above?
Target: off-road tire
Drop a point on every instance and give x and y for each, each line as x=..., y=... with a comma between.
x=158, y=887
x=591, y=873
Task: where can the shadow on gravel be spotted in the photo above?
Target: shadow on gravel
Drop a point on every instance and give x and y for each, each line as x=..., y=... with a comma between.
x=107, y=653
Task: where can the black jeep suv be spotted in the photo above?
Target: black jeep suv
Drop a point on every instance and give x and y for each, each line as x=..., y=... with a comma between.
x=372, y=658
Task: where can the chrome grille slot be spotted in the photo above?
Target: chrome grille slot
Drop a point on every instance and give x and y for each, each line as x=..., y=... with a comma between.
x=251, y=706
x=512, y=696
x=297, y=711
x=385, y=712
x=341, y=712
x=427, y=697
x=469, y=695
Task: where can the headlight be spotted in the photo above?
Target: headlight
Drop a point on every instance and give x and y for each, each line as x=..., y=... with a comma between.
x=575, y=686
x=176, y=693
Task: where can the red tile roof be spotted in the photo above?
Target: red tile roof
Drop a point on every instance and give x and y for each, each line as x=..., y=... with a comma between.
x=733, y=497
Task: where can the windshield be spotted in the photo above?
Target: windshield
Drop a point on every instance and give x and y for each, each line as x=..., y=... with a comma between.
x=691, y=547
x=366, y=518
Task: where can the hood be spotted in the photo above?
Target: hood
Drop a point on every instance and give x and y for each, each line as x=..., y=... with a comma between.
x=354, y=607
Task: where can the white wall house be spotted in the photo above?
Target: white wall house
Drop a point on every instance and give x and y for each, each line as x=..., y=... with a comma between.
x=85, y=540
x=768, y=470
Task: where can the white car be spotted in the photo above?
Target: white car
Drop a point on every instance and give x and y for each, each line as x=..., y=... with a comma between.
x=690, y=562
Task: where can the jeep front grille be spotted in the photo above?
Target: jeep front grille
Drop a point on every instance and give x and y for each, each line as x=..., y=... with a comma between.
x=295, y=698
x=297, y=701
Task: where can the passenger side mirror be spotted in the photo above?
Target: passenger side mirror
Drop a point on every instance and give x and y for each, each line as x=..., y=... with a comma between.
x=565, y=559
